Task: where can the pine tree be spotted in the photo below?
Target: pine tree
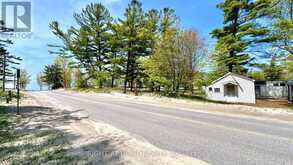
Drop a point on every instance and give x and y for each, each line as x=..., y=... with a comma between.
x=134, y=41
x=273, y=71
x=282, y=32
x=89, y=43
x=4, y=29
x=239, y=32
x=8, y=62
x=52, y=76
x=117, y=57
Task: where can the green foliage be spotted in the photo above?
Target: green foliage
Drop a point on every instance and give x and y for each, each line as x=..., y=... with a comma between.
x=174, y=64
x=100, y=78
x=8, y=63
x=24, y=79
x=214, y=75
x=89, y=43
x=40, y=80
x=80, y=81
x=273, y=71
x=281, y=26
x=239, y=32
x=6, y=120
x=64, y=63
x=52, y=76
x=146, y=48
x=259, y=75
x=137, y=39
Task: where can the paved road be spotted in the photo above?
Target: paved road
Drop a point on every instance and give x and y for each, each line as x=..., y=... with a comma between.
x=217, y=139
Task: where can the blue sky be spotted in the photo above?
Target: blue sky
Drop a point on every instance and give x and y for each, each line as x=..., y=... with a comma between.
x=199, y=14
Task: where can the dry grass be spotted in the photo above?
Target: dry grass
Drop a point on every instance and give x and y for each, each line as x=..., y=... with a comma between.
x=274, y=103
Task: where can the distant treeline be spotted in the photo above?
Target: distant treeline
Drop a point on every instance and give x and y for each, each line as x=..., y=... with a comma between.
x=150, y=49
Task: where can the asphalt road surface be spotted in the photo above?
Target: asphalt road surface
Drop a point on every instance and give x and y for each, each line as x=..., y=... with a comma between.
x=216, y=139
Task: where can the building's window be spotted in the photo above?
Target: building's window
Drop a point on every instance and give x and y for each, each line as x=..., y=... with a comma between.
x=282, y=84
x=217, y=90
x=276, y=85
x=210, y=89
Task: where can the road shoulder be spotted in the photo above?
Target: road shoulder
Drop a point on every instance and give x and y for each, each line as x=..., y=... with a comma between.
x=233, y=110
x=94, y=142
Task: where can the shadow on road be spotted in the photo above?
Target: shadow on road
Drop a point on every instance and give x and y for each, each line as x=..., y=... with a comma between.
x=35, y=137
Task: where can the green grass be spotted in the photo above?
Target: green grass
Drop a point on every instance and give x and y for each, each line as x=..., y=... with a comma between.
x=39, y=145
x=13, y=94
x=7, y=122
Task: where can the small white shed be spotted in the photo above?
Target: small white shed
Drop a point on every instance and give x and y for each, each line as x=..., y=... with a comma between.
x=232, y=88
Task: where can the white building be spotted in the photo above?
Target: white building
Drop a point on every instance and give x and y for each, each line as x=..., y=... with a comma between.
x=232, y=88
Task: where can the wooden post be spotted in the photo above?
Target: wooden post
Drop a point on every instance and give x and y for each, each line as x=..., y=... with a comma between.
x=18, y=76
x=14, y=81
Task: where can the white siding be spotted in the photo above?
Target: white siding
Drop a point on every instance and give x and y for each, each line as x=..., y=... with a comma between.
x=246, y=90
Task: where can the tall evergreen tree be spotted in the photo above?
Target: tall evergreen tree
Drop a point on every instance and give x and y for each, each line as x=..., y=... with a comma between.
x=282, y=32
x=135, y=41
x=52, y=76
x=240, y=31
x=117, y=57
x=8, y=62
x=89, y=43
x=4, y=29
x=273, y=71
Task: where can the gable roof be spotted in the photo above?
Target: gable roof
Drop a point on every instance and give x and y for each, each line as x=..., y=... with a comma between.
x=233, y=75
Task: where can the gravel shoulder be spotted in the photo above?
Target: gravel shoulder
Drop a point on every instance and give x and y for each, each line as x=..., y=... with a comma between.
x=95, y=142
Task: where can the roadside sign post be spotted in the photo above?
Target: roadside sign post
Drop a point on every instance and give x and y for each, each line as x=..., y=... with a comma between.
x=17, y=87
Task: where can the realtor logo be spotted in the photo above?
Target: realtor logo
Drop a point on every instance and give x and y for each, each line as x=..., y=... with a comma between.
x=17, y=16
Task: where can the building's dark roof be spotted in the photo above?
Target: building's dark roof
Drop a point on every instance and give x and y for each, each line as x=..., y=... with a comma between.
x=260, y=82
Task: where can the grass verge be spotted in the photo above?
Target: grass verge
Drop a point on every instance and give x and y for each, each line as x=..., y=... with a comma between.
x=26, y=145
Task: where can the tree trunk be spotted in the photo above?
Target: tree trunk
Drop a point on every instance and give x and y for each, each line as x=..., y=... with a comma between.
x=291, y=10
x=131, y=85
x=126, y=76
x=135, y=88
x=4, y=73
x=230, y=67
x=125, y=86
x=112, y=82
x=152, y=87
